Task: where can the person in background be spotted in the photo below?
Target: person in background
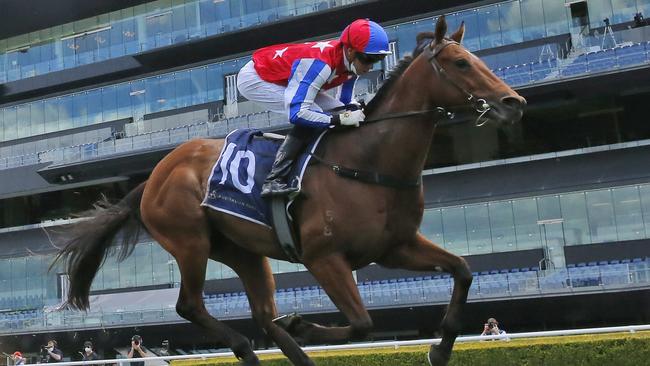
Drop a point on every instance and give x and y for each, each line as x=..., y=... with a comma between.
x=492, y=328
x=89, y=353
x=51, y=353
x=18, y=358
x=136, y=350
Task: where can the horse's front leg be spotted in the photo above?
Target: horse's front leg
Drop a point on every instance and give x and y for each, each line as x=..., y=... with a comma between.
x=334, y=274
x=423, y=255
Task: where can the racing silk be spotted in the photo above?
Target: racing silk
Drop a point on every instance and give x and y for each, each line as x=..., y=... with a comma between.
x=306, y=69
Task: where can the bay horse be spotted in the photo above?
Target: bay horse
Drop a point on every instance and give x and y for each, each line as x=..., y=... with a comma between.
x=343, y=224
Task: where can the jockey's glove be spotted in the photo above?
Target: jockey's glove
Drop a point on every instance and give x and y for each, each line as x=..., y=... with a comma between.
x=348, y=118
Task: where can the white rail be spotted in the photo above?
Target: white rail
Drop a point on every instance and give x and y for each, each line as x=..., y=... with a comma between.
x=393, y=344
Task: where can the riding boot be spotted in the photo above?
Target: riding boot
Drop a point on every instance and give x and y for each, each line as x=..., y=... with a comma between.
x=276, y=182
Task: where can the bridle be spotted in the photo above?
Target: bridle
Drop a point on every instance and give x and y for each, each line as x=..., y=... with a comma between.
x=479, y=105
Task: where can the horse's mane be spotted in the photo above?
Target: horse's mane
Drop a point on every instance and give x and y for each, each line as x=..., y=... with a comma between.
x=398, y=70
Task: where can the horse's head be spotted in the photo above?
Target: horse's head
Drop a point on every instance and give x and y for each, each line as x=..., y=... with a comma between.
x=462, y=79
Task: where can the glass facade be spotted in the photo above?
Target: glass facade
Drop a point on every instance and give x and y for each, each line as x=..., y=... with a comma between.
x=552, y=221
x=140, y=28
x=486, y=27
x=597, y=216
x=25, y=281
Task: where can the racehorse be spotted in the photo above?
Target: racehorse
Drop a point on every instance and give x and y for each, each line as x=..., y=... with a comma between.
x=343, y=224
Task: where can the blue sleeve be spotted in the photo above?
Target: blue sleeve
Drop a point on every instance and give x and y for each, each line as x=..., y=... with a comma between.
x=347, y=90
x=307, y=78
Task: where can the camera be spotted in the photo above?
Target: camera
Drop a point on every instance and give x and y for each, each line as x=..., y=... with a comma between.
x=606, y=21
x=490, y=325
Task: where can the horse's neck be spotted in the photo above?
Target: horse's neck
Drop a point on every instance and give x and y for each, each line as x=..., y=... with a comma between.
x=400, y=146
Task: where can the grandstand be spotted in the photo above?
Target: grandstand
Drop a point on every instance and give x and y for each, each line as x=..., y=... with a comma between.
x=552, y=214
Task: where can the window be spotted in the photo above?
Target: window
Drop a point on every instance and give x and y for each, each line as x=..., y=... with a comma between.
x=479, y=235
x=526, y=228
x=556, y=17
x=510, y=21
x=532, y=16
x=627, y=208
x=503, y=226
x=601, y=216
x=489, y=27
x=455, y=230
x=574, y=212
x=431, y=226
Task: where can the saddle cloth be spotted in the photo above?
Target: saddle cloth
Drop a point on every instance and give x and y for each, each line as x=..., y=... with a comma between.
x=236, y=180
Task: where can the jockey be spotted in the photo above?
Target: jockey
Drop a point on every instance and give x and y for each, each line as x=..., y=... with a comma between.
x=291, y=79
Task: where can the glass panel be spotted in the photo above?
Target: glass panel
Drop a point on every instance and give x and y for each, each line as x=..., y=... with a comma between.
x=532, y=15
x=94, y=106
x=489, y=27
x=23, y=120
x=167, y=90
x=215, y=82
x=526, y=227
x=183, y=89
x=143, y=265
x=431, y=226
x=5, y=279
x=111, y=273
x=503, y=226
x=37, y=118
x=455, y=230
x=162, y=265
x=199, y=86
x=510, y=20
x=127, y=272
x=574, y=212
x=478, y=229
x=556, y=17
x=644, y=192
x=51, y=115
x=65, y=112
x=109, y=103
x=137, y=99
x=10, y=124
x=79, y=110
x=601, y=216
x=625, y=11
x=629, y=220
x=599, y=10
x=153, y=94
x=123, y=92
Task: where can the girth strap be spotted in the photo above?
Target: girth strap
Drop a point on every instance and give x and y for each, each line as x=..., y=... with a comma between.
x=369, y=177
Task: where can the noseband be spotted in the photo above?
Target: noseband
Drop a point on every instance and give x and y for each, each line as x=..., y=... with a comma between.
x=479, y=105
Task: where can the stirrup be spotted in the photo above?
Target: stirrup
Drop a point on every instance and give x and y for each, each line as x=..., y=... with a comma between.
x=275, y=188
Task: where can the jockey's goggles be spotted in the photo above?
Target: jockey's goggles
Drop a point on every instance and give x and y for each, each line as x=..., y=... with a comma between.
x=368, y=58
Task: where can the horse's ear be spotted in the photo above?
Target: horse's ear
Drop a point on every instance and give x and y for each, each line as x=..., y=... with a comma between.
x=441, y=29
x=458, y=35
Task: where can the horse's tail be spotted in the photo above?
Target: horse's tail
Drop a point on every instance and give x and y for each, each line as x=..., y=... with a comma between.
x=88, y=241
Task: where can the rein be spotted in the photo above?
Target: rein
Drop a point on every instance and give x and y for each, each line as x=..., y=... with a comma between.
x=442, y=118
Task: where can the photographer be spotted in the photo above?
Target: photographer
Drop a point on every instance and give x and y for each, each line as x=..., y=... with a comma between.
x=492, y=328
x=89, y=354
x=136, y=350
x=50, y=353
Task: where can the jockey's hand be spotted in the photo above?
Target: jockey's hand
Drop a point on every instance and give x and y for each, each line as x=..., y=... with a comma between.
x=349, y=118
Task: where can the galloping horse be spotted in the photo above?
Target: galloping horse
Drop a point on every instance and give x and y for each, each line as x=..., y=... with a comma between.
x=343, y=224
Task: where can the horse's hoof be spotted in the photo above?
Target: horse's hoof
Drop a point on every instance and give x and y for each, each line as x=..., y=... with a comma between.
x=288, y=322
x=437, y=356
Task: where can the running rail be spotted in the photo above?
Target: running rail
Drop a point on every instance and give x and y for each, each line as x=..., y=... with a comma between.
x=393, y=344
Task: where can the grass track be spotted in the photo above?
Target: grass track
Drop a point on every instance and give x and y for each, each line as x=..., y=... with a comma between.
x=607, y=349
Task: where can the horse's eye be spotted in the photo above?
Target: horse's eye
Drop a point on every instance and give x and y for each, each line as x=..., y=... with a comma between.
x=462, y=63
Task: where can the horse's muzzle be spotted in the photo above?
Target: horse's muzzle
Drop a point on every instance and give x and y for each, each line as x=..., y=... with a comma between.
x=509, y=109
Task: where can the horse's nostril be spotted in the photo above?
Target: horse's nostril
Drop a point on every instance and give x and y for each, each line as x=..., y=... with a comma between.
x=514, y=101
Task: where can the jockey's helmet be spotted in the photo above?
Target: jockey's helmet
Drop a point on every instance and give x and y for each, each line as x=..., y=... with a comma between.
x=367, y=38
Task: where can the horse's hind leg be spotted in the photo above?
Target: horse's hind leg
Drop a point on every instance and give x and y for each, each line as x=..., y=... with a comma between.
x=256, y=275
x=423, y=255
x=191, y=253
